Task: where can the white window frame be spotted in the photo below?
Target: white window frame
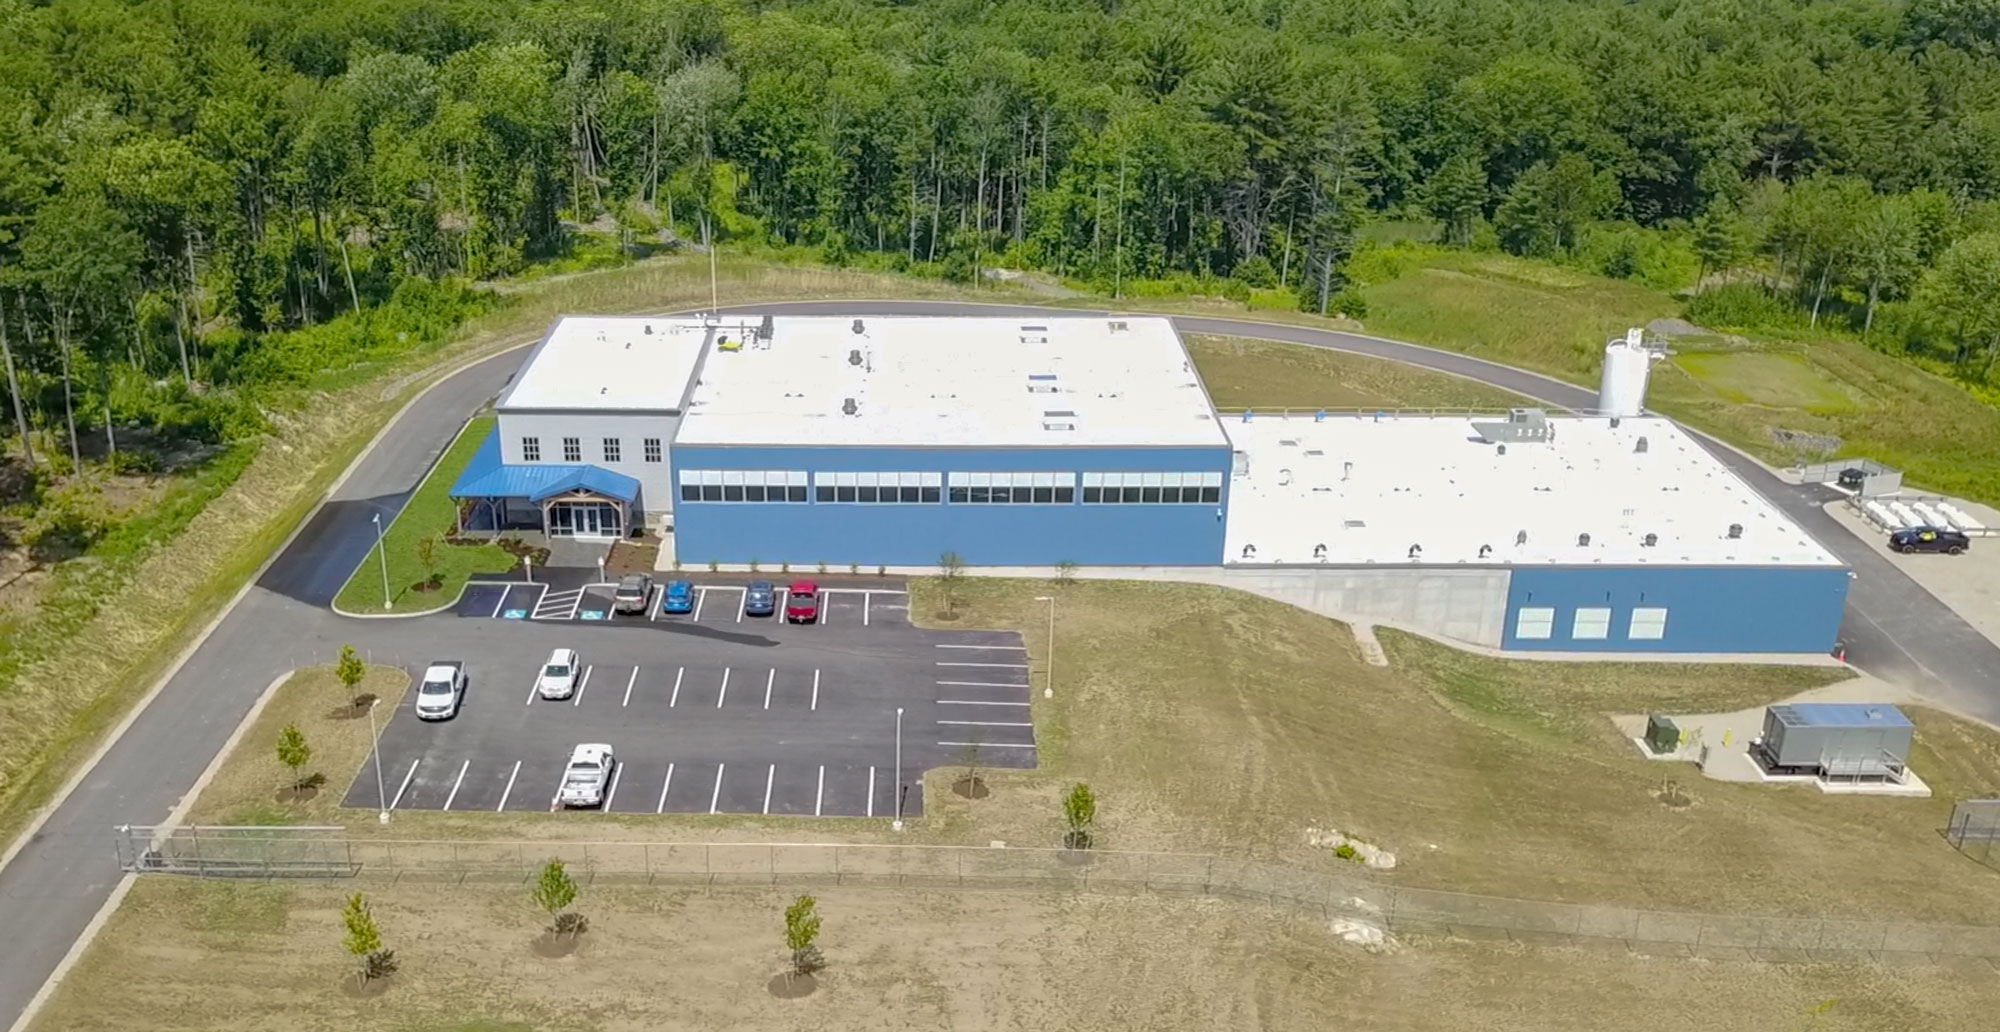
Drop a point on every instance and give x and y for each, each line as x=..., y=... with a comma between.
x=1535, y=623
x=1590, y=623
x=1648, y=623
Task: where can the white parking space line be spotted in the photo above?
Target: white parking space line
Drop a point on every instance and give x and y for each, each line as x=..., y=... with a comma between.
x=665, y=787
x=534, y=688
x=574, y=605
x=716, y=796
x=819, y=794
x=871, y=791
x=405, y=786
x=581, y=685
x=612, y=789
x=653, y=602
x=975, y=702
x=769, y=679
x=784, y=599
x=815, y=704
x=509, y=790
x=985, y=723
x=984, y=648
x=864, y=608
x=629, y=682
x=1009, y=666
x=454, y=785
x=724, y=694
x=700, y=596
x=989, y=745
x=770, y=776
x=825, y=614
x=499, y=603
x=675, y=699
x=743, y=606
x=979, y=684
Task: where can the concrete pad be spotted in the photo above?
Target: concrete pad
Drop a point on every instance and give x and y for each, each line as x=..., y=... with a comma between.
x=1969, y=583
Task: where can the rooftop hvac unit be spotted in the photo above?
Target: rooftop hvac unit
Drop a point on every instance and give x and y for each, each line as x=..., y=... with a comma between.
x=1662, y=735
x=854, y=357
x=766, y=329
x=858, y=327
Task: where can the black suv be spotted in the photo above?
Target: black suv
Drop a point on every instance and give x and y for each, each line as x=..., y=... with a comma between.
x=1929, y=539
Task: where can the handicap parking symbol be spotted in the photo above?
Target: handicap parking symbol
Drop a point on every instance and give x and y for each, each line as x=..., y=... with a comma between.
x=515, y=614
x=591, y=614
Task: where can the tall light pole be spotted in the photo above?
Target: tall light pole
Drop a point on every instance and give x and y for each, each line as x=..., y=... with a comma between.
x=382, y=549
x=381, y=787
x=897, y=824
x=1049, y=682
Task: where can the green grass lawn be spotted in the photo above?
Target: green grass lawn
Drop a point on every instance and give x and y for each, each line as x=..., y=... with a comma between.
x=430, y=513
x=1785, y=380
x=1243, y=373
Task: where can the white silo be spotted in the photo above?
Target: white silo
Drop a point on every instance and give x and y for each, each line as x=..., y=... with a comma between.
x=1627, y=362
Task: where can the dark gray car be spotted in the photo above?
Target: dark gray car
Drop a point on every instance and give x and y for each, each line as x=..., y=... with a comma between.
x=760, y=599
x=633, y=591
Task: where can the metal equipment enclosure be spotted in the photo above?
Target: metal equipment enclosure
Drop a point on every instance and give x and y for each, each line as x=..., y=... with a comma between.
x=1836, y=739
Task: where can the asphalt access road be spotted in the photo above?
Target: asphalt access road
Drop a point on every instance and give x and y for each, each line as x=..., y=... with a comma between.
x=721, y=714
x=52, y=888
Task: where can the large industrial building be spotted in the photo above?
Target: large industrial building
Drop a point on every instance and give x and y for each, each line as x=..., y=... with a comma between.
x=1039, y=440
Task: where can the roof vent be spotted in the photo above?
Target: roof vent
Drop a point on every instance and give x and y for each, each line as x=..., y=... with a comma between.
x=854, y=357
x=1520, y=538
x=1485, y=550
x=1416, y=552
x=1583, y=540
x=1735, y=531
x=1650, y=540
x=858, y=327
x=1319, y=552
x=1640, y=448
x=765, y=328
x=848, y=407
x=1249, y=551
x=649, y=329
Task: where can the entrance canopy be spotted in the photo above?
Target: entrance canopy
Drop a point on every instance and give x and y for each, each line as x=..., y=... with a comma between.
x=487, y=477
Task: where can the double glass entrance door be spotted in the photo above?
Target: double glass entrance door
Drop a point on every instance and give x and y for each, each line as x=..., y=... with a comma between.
x=583, y=519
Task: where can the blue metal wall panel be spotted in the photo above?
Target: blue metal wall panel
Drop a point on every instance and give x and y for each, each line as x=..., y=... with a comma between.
x=983, y=535
x=1709, y=609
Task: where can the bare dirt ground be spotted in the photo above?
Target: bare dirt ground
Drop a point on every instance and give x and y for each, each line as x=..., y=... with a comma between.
x=219, y=957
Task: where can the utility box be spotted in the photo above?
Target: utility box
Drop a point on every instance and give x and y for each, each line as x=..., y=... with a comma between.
x=1662, y=735
x=1864, y=740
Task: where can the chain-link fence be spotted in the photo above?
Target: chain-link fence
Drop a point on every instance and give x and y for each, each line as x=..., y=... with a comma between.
x=326, y=852
x=1975, y=830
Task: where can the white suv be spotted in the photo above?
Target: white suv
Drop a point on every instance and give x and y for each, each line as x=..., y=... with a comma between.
x=560, y=675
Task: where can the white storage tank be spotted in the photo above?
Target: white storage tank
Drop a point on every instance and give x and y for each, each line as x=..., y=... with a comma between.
x=1627, y=362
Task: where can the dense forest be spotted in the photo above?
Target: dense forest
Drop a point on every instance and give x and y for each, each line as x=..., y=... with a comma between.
x=199, y=198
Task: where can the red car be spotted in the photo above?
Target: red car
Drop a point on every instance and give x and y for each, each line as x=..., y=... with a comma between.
x=802, y=602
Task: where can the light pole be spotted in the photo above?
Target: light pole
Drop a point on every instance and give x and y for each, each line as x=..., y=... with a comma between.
x=382, y=549
x=1049, y=682
x=897, y=824
x=381, y=787
x=528, y=565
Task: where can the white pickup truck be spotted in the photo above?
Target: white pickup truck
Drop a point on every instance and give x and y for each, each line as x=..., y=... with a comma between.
x=442, y=690
x=587, y=779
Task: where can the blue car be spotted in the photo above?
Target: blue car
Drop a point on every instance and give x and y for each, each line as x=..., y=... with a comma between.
x=760, y=599
x=678, y=598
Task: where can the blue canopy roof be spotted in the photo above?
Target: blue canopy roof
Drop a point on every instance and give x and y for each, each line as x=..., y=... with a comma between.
x=487, y=477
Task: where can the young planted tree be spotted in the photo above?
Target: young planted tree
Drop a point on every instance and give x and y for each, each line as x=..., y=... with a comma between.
x=350, y=671
x=1066, y=572
x=427, y=557
x=802, y=936
x=294, y=753
x=970, y=785
x=364, y=940
x=1079, y=812
x=951, y=570
x=555, y=890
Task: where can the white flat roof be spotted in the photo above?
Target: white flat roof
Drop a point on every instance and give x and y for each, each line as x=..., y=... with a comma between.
x=1016, y=381
x=609, y=363
x=1368, y=490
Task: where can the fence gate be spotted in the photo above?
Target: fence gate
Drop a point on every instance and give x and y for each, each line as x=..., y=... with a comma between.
x=246, y=851
x=1975, y=829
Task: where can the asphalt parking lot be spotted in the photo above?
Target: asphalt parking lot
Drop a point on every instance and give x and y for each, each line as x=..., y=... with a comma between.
x=709, y=712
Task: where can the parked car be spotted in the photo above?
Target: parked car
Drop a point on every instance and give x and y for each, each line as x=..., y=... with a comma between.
x=560, y=674
x=802, y=603
x=1929, y=539
x=760, y=599
x=678, y=598
x=633, y=591
x=442, y=690
x=587, y=777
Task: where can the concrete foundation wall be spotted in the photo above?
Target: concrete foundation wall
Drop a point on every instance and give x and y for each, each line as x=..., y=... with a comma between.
x=1468, y=605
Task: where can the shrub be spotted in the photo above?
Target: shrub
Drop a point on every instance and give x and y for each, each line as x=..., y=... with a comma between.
x=1740, y=305
x=1345, y=851
x=69, y=519
x=1256, y=271
x=134, y=462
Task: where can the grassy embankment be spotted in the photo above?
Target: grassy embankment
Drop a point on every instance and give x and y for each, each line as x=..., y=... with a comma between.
x=58, y=704
x=429, y=514
x=1555, y=320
